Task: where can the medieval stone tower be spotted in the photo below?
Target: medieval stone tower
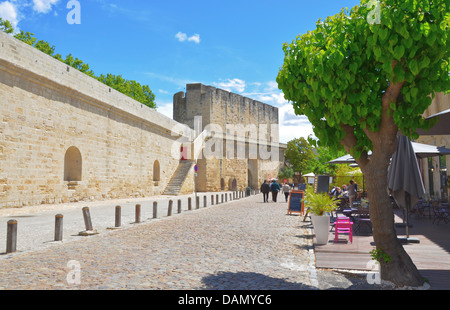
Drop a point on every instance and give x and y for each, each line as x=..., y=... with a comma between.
x=242, y=148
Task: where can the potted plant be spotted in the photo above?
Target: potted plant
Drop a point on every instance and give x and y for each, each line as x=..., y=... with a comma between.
x=320, y=206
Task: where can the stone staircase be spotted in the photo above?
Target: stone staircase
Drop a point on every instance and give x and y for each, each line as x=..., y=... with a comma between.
x=175, y=184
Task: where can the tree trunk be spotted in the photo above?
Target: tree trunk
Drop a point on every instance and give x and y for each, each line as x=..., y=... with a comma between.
x=400, y=270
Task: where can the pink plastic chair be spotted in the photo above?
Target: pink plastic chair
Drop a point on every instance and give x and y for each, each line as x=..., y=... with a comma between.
x=343, y=226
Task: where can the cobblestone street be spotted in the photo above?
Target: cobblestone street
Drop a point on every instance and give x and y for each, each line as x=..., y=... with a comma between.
x=239, y=245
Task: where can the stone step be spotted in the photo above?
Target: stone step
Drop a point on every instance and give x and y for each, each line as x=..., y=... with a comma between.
x=175, y=184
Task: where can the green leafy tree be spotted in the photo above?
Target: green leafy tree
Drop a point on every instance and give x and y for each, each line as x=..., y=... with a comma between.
x=26, y=37
x=79, y=65
x=6, y=26
x=298, y=155
x=319, y=165
x=360, y=77
x=133, y=89
x=344, y=173
x=286, y=173
x=45, y=47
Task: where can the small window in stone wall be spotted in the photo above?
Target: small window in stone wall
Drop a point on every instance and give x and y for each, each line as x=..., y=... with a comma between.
x=73, y=165
x=156, y=171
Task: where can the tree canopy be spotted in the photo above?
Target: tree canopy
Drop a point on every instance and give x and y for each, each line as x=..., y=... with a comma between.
x=305, y=156
x=131, y=88
x=298, y=155
x=338, y=73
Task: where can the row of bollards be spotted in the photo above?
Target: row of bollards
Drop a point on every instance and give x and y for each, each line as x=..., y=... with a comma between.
x=11, y=240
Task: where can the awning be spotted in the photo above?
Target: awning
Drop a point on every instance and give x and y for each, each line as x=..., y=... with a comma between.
x=421, y=150
x=442, y=127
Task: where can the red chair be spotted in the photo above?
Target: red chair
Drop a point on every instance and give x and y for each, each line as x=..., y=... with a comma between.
x=343, y=225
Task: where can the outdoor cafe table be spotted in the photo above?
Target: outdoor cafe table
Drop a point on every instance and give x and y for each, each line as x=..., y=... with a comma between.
x=349, y=212
x=421, y=206
x=344, y=200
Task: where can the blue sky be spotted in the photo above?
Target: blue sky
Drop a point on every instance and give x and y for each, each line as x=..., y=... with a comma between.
x=234, y=45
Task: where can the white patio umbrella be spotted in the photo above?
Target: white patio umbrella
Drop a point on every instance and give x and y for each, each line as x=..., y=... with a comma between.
x=404, y=179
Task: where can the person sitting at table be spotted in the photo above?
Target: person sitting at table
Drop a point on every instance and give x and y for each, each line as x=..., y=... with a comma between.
x=337, y=192
x=332, y=191
x=344, y=190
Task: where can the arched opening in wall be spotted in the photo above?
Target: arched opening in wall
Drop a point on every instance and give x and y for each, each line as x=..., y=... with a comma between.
x=156, y=172
x=222, y=184
x=73, y=165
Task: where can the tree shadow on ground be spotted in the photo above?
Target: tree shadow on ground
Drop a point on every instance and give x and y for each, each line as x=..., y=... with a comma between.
x=256, y=281
x=250, y=281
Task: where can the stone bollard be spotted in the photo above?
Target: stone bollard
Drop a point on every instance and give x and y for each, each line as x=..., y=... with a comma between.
x=11, y=239
x=118, y=217
x=59, y=227
x=87, y=219
x=205, y=203
x=138, y=214
x=221, y=198
x=212, y=200
x=87, y=223
x=189, y=203
x=226, y=197
x=197, y=202
x=217, y=199
x=155, y=209
x=179, y=206
x=169, y=209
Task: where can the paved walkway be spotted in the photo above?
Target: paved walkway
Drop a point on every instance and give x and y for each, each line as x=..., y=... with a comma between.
x=237, y=245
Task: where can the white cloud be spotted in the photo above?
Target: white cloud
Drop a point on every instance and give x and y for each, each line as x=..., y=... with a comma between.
x=232, y=85
x=165, y=108
x=9, y=12
x=195, y=38
x=291, y=125
x=16, y=10
x=44, y=6
x=181, y=36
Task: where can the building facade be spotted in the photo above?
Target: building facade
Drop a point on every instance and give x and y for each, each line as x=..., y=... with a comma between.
x=434, y=169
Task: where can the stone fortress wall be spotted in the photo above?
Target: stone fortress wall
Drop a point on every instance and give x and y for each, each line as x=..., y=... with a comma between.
x=66, y=137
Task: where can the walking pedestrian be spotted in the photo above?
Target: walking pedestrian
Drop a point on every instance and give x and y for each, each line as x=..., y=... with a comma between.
x=275, y=188
x=286, y=190
x=265, y=189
